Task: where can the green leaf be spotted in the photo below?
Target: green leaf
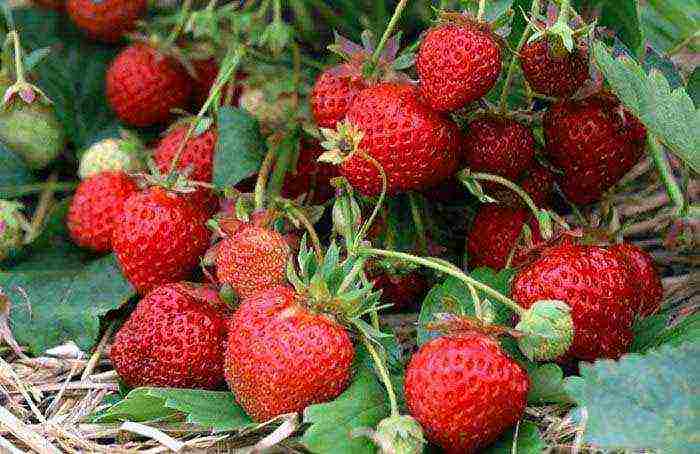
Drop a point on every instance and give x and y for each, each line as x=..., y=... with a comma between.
x=240, y=149
x=642, y=401
x=669, y=115
x=694, y=86
x=453, y=297
x=623, y=17
x=55, y=306
x=215, y=410
x=13, y=172
x=363, y=404
x=667, y=23
x=529, y=441
x=547, y=385
x=654, y=331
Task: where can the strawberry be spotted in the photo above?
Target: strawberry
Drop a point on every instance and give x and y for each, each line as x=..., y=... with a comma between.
x=465, y=391
x=124, y=154
x=11, y=228
x=552, y=70
x=500, y=146
x=32, y=130
x=457, y=64
x=334, y=91
x=644, y=277
x=282, y=357
x=207, y=70
x=495, y=234
x=416, y=147
x=252, y=260
x=145, y=85
x=594, y=142
x=97, y=203
x=537, y=182
x=159, y=238
x=595, y=283
x=311, y=176
x=403, y=290
x=174, y=338
x=106, y=20
x=197, y=157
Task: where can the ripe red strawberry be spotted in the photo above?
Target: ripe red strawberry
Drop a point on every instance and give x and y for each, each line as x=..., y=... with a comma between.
x=495, y=233
x=333, y=93
x=97, y=203
x=159, y=238
x=106, y=20
x=404, y=290
x=144, y=86
x=252, y=260
x=552, y=70
x=281, y=357
x=643, y=276
x=457, y=65
x=197, y=156
x=173, y=339
x=499, y=146
x=417, y=147
x=537, y=182
x=311, y=176
x=207, y=72
x=465, y=391
x=594, y=142
x=595, y=283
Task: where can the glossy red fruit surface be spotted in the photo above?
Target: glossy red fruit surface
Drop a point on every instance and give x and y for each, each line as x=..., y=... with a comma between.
x=644, y=277
x=173, y=339
x=595, y=283
x=159, y=238
x=457, y=65
x=281, y=357
x=554, y=72
x=97, y=203
x=594, y=142
x=417, y=147
x=252, y=260
x=143, y=86
x=106, y=20
x=465, y=391
x=499, y=146
x=495, y=233
x=334, y=91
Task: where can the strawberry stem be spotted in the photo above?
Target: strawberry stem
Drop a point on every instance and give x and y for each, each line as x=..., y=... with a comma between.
x=299, y=215
x=19, y=67
x=482, y=11
x=447, y=268
x=263, y=175
x=45, y=202
x=382, y=196
x=666, y=173
x=417, y=215
x=184, y=15
x=383, y=373
x=387, y=33
x=534, y=11
x=28, y=189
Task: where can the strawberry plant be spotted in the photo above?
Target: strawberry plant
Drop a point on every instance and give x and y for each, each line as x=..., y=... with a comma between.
x=396, y=226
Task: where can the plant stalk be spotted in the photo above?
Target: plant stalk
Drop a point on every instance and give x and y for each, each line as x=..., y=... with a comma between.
x=384, y=374
x=665, y=173
x=439, y=265
x=387, y=32
x=382, y=195
x=482, y=10
x=416, y=213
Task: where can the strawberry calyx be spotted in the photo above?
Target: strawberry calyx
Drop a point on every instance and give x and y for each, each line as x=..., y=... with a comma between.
x=359, y=64
x=561, y=37
x=546, y=330
x=341, y=143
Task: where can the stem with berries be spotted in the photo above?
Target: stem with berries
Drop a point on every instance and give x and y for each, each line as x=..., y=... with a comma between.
x=447, y=268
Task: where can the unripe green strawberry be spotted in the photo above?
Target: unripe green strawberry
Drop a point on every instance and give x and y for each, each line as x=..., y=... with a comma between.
x=112, y=154
x=11, y=232
x=32, y=130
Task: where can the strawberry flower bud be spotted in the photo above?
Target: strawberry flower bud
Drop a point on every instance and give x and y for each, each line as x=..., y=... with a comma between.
x=11, y=231
x=112, y=154
x=397, y=435
x=548, y=330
